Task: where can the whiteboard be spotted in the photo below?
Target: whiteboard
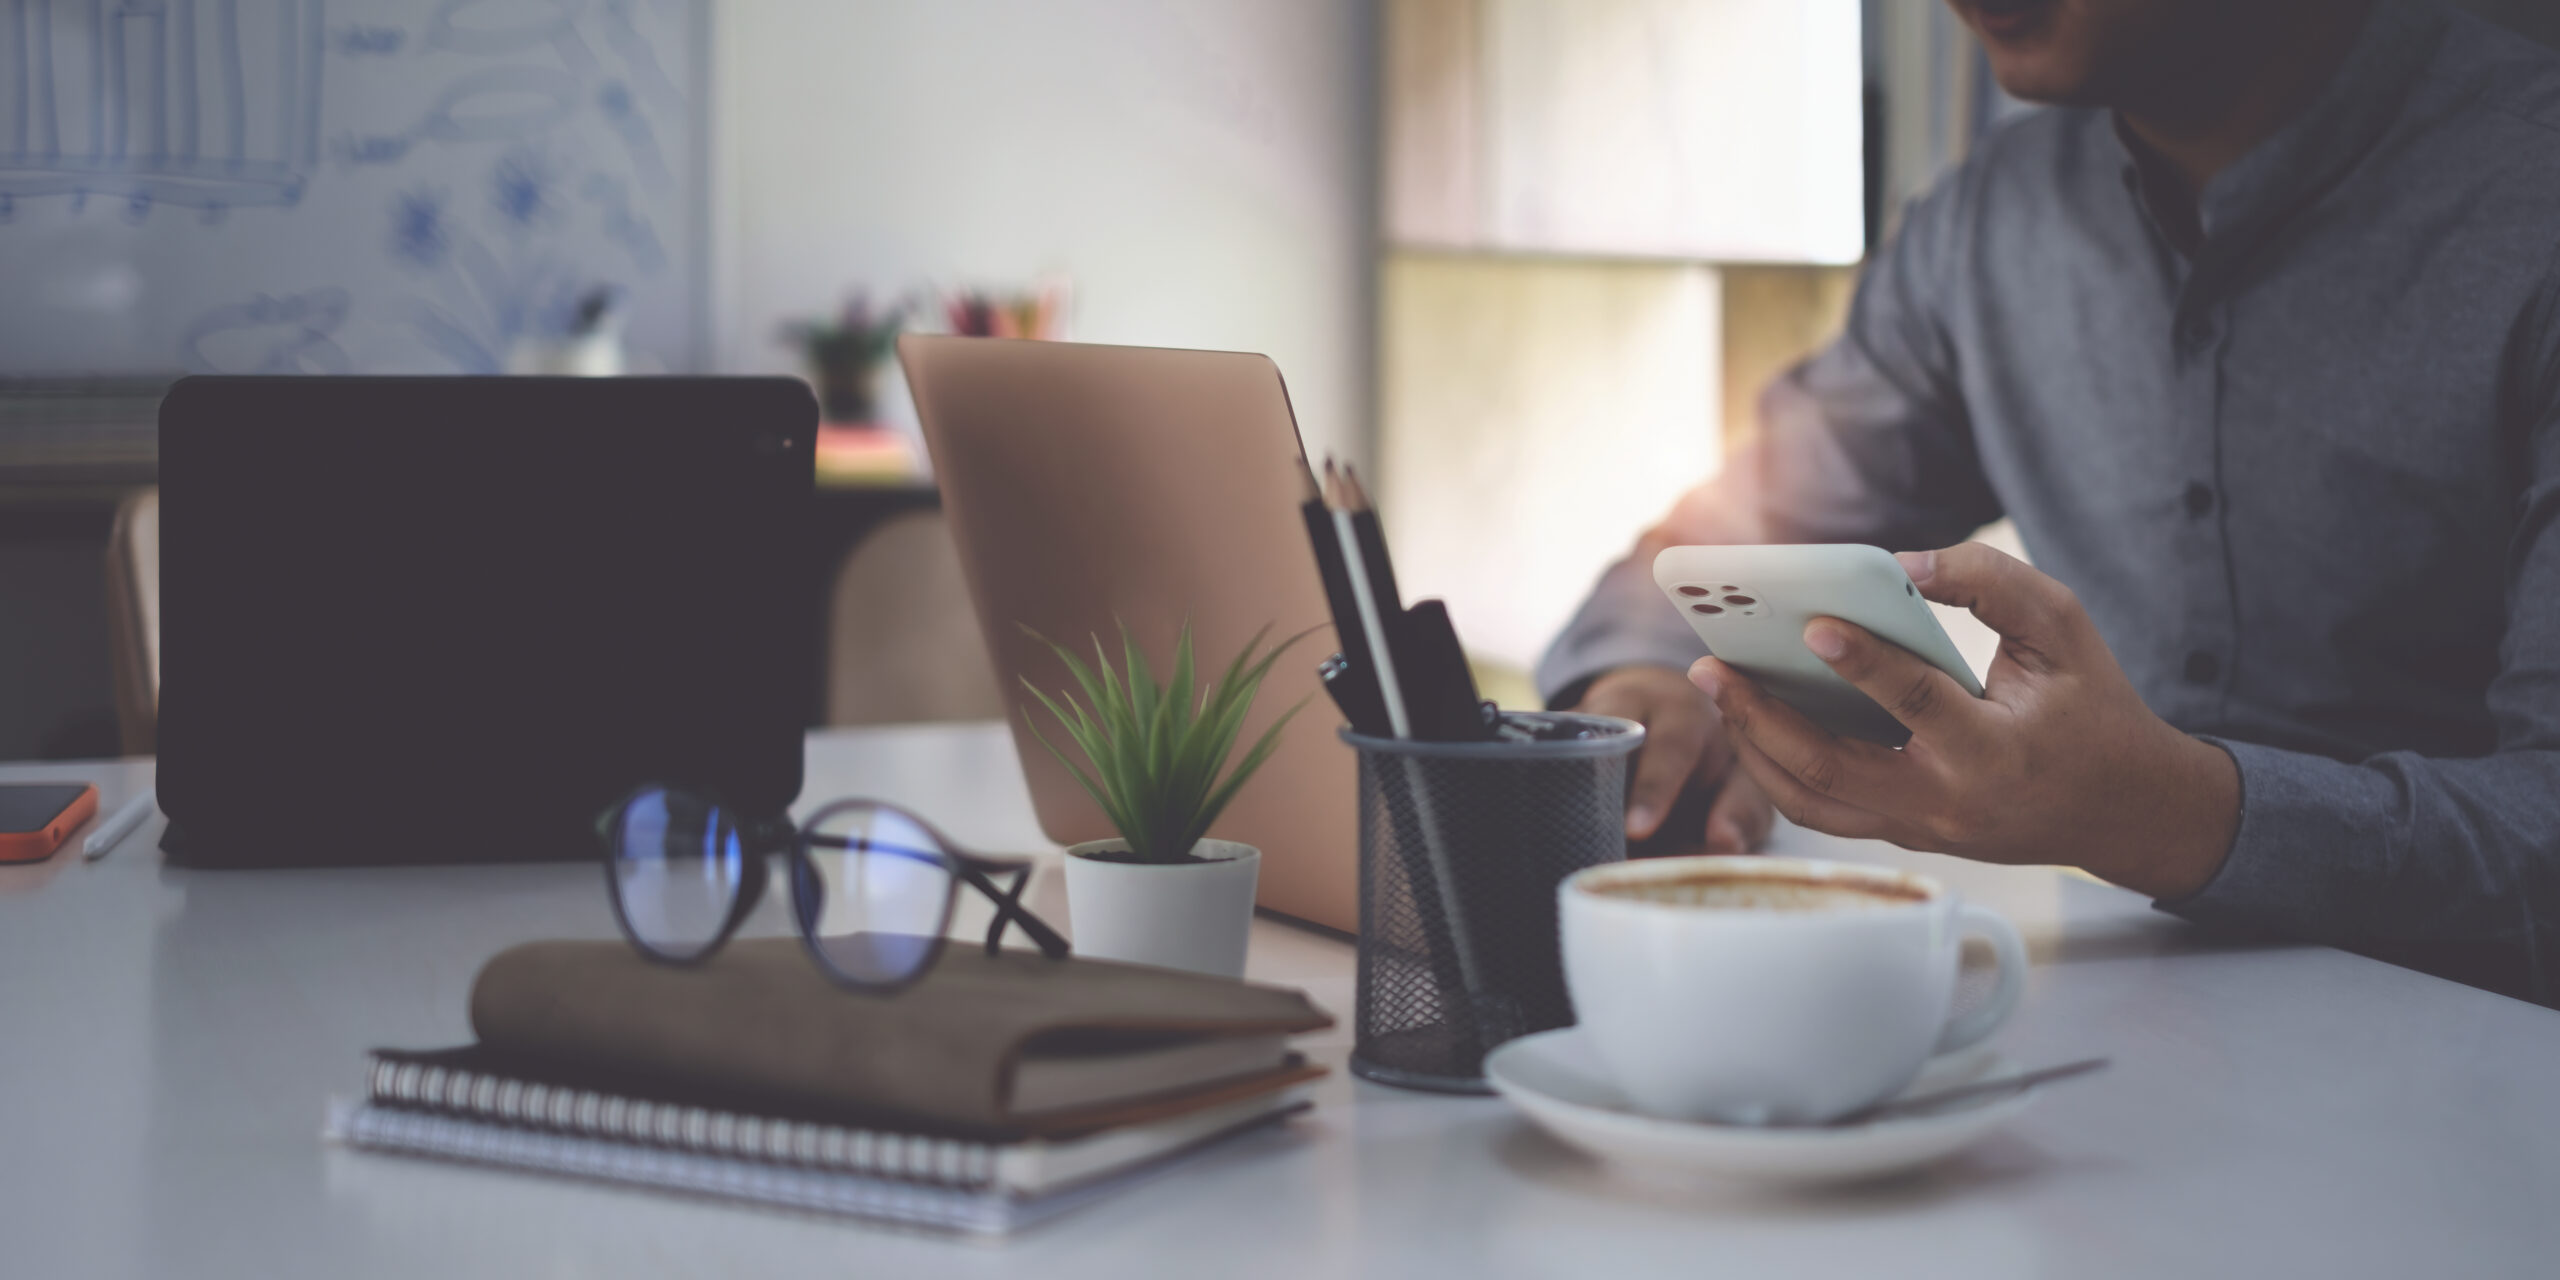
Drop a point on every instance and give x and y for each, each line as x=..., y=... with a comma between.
x=345, y=186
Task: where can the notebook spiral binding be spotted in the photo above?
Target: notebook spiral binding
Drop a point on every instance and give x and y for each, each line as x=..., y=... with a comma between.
x=477, y=1095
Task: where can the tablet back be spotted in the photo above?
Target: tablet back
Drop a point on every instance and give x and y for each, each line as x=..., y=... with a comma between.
x=451, y=619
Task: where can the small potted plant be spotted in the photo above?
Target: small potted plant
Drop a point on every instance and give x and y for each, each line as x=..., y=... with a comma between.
x=1161, y=894
x=846, y=354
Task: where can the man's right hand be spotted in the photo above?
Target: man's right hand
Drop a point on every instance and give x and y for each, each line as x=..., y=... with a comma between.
x=1684, y=741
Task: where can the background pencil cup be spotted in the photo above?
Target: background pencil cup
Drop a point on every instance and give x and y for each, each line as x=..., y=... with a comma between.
x=1462, y=845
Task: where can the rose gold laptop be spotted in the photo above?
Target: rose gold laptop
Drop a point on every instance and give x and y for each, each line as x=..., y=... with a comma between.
x=1087, y=485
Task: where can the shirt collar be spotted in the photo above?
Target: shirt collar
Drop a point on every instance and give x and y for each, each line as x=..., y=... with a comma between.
x=2313, y=150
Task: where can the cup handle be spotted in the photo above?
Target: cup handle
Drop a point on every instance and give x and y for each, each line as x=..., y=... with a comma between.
x=1975, y=1027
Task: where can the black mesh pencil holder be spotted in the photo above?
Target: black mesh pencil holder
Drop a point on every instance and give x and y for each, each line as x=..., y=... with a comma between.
x=1462, y=845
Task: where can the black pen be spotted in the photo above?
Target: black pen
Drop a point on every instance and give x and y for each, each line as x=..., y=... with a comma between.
x=1440, y=690
x=1353, y=694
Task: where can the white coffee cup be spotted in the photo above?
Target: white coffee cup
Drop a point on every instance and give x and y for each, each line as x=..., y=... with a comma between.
x=1757, y=990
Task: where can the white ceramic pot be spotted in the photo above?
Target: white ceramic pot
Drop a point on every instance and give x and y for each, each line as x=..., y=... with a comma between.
x=1184, y=915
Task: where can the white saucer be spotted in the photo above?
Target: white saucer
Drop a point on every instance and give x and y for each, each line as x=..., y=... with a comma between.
x=1557, y=1079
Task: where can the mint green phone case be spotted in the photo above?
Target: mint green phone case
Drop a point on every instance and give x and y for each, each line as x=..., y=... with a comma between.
x=1750, y=605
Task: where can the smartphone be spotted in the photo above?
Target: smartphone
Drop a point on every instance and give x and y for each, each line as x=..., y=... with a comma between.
x=36, y=817
x=1750, y=605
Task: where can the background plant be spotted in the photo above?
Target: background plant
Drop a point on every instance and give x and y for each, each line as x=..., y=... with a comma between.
x=1157, y=749
x=854, y=340
x=844, y=352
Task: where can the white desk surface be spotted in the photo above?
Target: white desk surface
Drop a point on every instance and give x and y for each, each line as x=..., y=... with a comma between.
x=168, y=1039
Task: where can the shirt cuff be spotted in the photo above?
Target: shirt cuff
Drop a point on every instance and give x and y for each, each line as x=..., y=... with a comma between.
x=2294, y=818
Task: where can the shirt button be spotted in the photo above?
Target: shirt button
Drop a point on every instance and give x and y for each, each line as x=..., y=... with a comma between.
x=2197, y=333
x=2203, y=668
x=2199, y=499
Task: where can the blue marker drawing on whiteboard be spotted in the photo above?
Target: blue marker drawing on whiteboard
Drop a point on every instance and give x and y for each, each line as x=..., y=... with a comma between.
x=155, y=105
x=486, y=106
x=469, y=327
x=623, y=35
x=352, y=151
x=361, y=41
x=501, y=103
x=499, y=26
x=623, y=226
x=290, y=334
x=543, y=300
x=418, y=234
x=524, y=189
x=479, y=304
x=633, y=128
x=512, y=26
x=519, y=155
x=450, y=340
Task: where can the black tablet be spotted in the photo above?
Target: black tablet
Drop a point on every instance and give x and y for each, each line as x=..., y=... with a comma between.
x=452, y=619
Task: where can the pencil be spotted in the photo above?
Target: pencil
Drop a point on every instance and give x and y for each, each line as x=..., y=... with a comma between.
x=112, y=832
x=1350, y=680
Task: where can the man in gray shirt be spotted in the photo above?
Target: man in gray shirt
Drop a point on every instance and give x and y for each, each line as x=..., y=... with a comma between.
x=2256, y=336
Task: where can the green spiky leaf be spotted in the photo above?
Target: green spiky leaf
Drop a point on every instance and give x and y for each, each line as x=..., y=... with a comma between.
x=1156, y=753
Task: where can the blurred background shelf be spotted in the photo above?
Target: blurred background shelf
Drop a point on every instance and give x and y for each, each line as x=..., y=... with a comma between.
x=78, y=435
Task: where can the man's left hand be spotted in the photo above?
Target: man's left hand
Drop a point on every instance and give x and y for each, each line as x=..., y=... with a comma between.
x=2058, y=762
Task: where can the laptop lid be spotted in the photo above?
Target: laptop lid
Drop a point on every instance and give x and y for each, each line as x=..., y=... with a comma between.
x=1089, y=485
x=451, y=619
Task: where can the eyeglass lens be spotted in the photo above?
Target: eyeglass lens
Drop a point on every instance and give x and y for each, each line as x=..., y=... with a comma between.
x=874, y=893
x=677, y=867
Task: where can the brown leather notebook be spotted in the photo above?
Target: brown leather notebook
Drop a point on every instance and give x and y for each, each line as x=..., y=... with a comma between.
x=760, y=1025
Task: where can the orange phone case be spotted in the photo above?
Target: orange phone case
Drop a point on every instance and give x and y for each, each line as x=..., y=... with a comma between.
x=38, y=845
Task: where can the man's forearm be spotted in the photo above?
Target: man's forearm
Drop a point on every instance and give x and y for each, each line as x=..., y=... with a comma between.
x=1624, y=622
x=2397, y=848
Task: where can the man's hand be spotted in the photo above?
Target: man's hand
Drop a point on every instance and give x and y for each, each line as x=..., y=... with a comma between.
x=1683, y=742
x=2059, y=763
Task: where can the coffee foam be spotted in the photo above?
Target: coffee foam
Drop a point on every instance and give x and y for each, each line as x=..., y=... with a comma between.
x=1763, y=893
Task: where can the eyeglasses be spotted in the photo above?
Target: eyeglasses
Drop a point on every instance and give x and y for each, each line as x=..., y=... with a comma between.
x=872, y=886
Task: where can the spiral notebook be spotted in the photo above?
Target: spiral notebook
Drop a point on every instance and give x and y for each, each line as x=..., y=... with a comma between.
x=998, y=1090
x=432, y=1105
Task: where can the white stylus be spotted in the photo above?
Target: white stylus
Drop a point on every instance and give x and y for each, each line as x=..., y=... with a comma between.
x=113, y=831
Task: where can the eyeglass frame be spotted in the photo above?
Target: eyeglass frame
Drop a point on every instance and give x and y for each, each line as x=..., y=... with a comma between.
x=766, y=837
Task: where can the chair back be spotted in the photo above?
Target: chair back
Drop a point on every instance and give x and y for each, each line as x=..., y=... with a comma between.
x=903, y=644
x=133, y=619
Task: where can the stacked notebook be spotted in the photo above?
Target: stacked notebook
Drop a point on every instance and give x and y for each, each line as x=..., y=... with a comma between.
x=999, y=1091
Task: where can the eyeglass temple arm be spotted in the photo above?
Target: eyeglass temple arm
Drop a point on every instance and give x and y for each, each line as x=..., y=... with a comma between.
x=1009, y=910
